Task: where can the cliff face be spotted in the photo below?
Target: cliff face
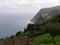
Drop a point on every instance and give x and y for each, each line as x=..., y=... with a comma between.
x=23, y=40
x=45, y=14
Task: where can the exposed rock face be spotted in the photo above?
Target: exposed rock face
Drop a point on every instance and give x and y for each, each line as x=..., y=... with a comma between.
x=23, y=40
x=45, y=14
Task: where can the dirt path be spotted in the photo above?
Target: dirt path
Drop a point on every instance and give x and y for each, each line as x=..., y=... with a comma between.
x=22, y=40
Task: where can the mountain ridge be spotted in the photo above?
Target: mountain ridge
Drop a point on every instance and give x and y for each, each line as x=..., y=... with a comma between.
x=46, y=13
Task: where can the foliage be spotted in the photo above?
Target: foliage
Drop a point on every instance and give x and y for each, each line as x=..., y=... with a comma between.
x=18, y=33
x=46, y=40
x=11, y=37
x=55, y=19
x=51, y=26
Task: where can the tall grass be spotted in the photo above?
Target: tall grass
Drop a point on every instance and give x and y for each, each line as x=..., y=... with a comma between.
x=46, y=40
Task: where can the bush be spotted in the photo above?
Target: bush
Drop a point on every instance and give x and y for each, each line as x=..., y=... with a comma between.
x=18, y=33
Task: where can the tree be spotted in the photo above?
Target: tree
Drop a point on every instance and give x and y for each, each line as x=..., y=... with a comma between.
x=53, y=29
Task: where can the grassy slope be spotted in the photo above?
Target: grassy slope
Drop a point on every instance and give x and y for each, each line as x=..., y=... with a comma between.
x=46, y=40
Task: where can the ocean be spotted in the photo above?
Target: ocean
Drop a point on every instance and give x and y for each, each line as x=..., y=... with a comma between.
x=10, y=24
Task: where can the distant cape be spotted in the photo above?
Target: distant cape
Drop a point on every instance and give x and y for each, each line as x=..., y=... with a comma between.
x=45, y=14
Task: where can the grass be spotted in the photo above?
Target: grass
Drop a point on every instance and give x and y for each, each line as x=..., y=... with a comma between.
x=46, y=40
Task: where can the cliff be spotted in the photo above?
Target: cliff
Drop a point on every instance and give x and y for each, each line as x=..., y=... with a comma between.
x=45, y=14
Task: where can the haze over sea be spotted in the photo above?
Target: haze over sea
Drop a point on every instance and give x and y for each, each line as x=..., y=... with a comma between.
x=12, y=23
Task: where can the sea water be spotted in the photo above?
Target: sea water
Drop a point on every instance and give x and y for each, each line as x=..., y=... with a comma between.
x=10, y=24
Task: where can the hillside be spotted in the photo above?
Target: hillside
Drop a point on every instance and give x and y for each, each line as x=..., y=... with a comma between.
x=45, y=14
x=46, y=33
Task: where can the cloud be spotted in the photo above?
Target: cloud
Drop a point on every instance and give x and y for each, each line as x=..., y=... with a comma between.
x=25, y=6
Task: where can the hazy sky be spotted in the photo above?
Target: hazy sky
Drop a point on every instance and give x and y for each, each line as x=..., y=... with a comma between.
x=25, y=6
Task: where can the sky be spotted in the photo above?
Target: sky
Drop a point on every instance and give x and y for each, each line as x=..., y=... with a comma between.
x=25, y=6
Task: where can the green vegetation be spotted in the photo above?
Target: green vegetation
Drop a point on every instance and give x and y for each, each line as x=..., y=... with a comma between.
x=46, y=40
x=50, y=31
x=18, y=33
